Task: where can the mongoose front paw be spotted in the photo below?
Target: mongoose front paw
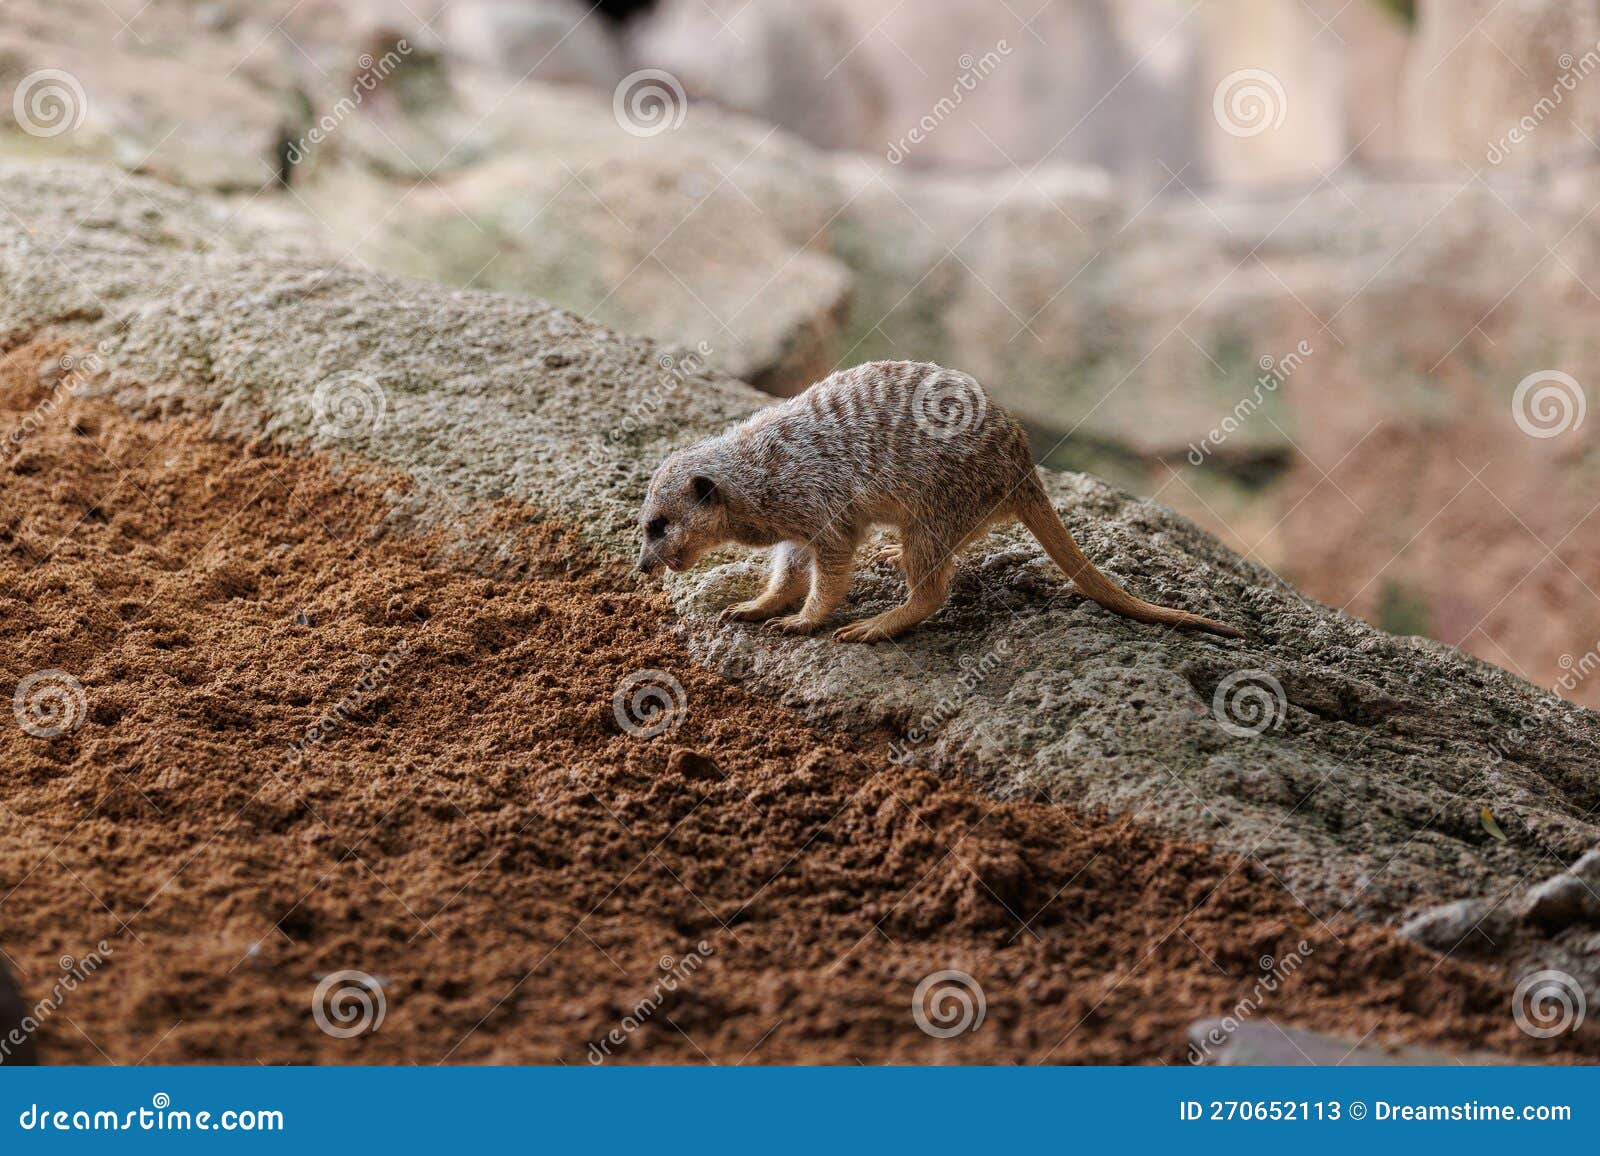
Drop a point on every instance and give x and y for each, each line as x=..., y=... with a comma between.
x=745, y=612
x=792, y=624
x=867, y=630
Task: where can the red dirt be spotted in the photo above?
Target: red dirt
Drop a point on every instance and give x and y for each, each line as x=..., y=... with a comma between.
x=482, y=836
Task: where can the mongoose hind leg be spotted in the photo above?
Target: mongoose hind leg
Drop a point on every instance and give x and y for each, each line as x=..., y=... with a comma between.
x=929, y=567
x=832, y=568
x=786, y=584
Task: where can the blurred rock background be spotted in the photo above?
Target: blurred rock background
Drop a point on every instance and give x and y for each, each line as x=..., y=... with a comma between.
x=1321, y=275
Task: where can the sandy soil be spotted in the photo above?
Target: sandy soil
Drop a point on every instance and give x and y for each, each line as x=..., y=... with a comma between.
x=472, y=827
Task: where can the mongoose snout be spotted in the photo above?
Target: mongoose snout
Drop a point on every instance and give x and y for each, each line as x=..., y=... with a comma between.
x=681, y=521
x=907, y=445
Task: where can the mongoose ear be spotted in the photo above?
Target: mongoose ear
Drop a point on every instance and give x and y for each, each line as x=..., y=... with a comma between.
x=705, y=490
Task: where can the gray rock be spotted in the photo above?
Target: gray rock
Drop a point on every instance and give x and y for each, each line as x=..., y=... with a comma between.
x=1447, y=926
x=1551, y=929
x=711, y=232
x=1349, y=763
x=562, y=41
x=799, y=66
x=1563, y=900
x=1137, y=325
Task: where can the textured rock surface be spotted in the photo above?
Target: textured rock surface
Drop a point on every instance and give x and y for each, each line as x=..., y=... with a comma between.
x=206, y=117
x=1547, y=933
x=1362, y=789
x=1055, y=284
x=459, y=149
x=713, y=233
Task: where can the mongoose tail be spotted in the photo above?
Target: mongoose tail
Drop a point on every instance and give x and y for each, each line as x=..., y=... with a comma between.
x=1040, y=517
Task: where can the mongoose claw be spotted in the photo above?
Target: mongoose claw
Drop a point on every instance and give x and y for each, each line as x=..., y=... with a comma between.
x=791, y=624
x=867, y=630
x=743, y=612
x=890, y=555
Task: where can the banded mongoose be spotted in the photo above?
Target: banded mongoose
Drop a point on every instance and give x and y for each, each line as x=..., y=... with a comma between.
x=908, y=445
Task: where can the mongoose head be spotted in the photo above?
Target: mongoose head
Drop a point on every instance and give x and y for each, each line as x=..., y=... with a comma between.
x=685, y=514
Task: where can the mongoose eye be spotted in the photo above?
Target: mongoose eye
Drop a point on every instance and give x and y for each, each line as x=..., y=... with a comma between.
x=656, y=528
